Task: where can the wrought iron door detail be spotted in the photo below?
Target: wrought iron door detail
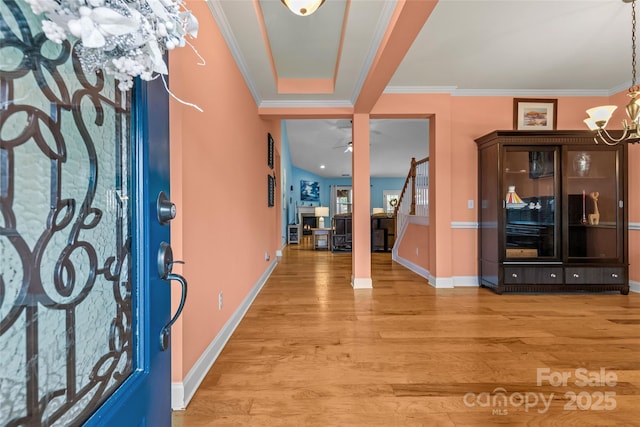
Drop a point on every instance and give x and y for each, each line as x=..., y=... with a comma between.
x=66, y=312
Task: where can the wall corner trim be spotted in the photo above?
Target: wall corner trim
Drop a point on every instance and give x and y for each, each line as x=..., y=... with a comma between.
x=182, y=393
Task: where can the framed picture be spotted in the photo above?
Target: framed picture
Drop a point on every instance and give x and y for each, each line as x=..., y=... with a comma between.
x=270, y=144
x=271, y=190
x=535, y=114
x=541, y=164
x=309, y=191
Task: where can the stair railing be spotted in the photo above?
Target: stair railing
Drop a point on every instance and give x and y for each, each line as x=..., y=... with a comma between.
x=414, y=198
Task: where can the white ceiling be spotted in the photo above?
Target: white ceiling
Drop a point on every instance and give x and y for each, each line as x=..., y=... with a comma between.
x=519, y=48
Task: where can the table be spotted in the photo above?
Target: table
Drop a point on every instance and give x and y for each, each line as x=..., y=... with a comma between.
x=321, y=237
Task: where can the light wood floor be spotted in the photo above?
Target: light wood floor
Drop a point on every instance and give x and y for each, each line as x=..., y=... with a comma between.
x=311, y=351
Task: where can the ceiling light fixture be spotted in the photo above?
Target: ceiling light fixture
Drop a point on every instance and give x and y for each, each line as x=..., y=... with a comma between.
x=599, y=116
x=303, y=7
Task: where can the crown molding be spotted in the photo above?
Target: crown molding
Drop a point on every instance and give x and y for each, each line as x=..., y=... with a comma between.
x=218, y=14
x=621, y=87
x=306, y=104
x=454, y=91
x=225, y=28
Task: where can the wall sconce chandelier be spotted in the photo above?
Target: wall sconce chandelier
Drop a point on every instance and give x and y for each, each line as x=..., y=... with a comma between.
x=599, y=116
x=302, y=7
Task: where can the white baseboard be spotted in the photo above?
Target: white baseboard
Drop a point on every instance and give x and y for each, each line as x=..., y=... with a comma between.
x=177, y=397
x=361, y=283
x=279, y=253
x=465, y=282
x=634, y=286
x=421, y=271
x=181, y=393
x=439, y=282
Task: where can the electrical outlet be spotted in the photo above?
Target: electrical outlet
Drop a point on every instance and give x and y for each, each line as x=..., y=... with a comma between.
x=267, y=257
x=220, y=301
x=470, y=203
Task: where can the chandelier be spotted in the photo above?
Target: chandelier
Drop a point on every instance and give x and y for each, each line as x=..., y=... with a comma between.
x=302, y=7
x=599, y=116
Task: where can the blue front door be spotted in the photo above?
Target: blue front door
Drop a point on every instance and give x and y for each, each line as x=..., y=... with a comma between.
x=82, y=303
x=145, y=397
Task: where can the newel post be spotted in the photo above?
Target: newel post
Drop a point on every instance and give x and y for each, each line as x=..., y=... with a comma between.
x=413, y=186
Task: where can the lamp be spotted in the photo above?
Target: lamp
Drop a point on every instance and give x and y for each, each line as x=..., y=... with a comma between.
x=599, y=116
x=321, y=212
x=303, y=7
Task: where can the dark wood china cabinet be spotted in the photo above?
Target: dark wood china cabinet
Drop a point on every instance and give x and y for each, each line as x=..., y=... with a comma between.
x=552, y=212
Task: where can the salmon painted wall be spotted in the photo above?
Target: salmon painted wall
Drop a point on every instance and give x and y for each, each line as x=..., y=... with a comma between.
x=458, y=121
x=621, y=99
x=414, y=245
x=219, y=183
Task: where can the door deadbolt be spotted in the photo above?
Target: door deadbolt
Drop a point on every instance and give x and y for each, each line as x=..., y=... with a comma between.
x=166, y=209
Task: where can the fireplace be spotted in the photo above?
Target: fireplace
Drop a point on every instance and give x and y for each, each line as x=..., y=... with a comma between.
x=307, y=218
x=308, y=222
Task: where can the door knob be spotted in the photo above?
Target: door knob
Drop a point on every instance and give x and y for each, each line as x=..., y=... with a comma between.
x=165, y=265
x=166, y=330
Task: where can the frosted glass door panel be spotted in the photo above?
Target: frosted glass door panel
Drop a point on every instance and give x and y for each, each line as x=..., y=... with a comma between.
x=65, y=283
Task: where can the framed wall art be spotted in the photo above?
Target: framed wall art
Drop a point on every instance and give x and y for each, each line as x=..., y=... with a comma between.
x=271, y=190
x=309, y=191
x=270, y=144
x=535, y=114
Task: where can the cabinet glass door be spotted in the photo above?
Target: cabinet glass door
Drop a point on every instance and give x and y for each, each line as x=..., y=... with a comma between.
x=530, y=189
x=594, y=204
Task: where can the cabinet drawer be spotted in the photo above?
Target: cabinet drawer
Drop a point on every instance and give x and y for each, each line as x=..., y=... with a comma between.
x=577, y=275
x=549, y=275
x=531, y=275
x=613, y=275
x=513, y=275
x=594, y=275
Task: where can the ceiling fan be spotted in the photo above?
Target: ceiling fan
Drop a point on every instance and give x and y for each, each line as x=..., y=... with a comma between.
x=347, y=124
x=348, y=147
